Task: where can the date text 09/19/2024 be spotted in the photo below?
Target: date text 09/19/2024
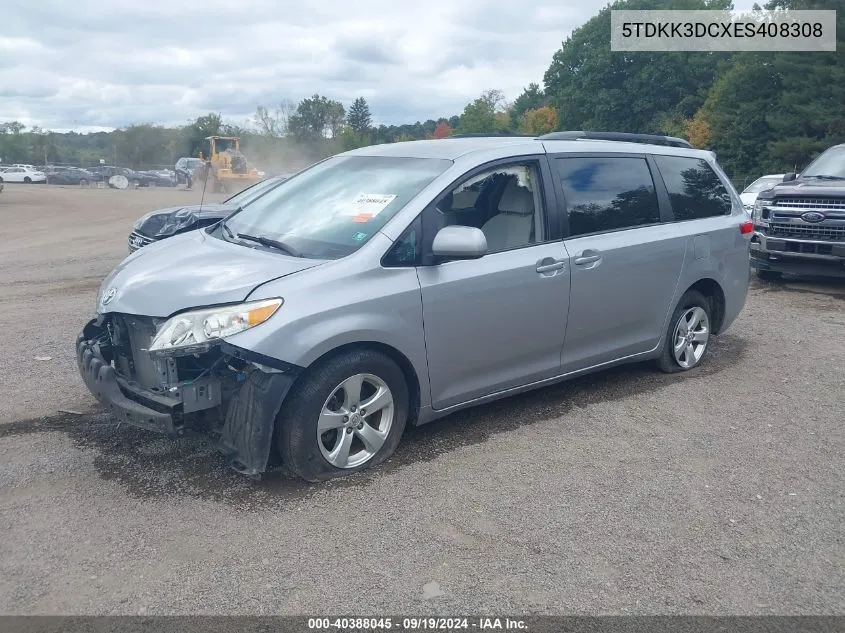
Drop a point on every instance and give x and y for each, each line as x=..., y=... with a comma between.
x=415, y=624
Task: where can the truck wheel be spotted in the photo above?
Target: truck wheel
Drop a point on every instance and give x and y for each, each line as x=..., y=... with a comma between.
x=769, y=275
x=688, y=335
x=348, y=413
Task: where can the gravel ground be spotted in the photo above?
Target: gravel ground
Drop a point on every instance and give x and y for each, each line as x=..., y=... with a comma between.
x=719, y=491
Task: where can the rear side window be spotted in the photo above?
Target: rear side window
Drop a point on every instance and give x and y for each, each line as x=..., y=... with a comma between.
x=607, y=193
x=695, y=190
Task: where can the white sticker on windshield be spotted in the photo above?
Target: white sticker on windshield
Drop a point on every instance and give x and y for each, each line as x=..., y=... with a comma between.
x=368, y=205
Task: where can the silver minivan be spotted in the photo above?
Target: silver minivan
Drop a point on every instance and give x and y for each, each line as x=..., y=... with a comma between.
x=392, y=285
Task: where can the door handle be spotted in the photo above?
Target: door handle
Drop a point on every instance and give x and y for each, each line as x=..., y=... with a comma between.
x=586, y=259
x=556, y=264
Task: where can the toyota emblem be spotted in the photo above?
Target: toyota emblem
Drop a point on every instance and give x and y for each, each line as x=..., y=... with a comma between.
x=812, y=216
x=108, y=296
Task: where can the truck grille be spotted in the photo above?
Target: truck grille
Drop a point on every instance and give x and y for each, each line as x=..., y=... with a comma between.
x=136, y=241
x=807, y=231
x=811, y=204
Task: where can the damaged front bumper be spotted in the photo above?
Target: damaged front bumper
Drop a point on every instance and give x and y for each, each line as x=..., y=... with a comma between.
x=238, y=400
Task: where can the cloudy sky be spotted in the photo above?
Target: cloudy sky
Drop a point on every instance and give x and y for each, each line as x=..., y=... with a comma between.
x=100, y=64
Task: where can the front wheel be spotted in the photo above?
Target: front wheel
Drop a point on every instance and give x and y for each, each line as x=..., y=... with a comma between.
x=348, y=413
x=688, y=335
x=27, y=180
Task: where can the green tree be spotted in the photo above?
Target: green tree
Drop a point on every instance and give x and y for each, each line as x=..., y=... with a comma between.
x=532, y=98
x=359, y=116
x=317, y=118
x=593, y=88
x=479, y=116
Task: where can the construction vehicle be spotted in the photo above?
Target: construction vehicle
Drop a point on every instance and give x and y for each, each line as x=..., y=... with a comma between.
x=226, y=167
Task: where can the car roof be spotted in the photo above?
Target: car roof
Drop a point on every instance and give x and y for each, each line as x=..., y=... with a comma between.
x=456, y=148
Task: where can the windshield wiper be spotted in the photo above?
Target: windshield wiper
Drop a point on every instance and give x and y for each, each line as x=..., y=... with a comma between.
x=271, y=243
x=826, y=177
x=227, y=230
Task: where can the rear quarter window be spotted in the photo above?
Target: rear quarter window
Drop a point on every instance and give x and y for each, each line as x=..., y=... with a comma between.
x=695, y=190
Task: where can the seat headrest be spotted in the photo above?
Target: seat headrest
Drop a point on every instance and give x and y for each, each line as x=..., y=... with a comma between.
x=516, y=199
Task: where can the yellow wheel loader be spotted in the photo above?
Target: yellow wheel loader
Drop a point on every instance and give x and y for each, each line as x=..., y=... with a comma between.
x=227, y=167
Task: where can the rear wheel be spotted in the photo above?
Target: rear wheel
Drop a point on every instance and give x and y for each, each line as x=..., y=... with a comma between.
x=769, y=275
x=348, y=413
x=27, y=180
x=688, y=335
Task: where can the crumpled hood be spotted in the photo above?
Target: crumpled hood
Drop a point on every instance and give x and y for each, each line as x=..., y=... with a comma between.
x=188, y=271
x=172, y=220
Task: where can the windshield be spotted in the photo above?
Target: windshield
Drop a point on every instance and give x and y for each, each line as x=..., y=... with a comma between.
x=243, y=198
x=763, y=183
x=334, y=208
x=830, y=163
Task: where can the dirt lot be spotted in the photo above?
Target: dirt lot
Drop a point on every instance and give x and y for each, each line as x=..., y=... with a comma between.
x=719, y=491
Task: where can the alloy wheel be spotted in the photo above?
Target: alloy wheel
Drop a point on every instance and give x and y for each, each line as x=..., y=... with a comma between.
x=355, y=421
x=692, y=333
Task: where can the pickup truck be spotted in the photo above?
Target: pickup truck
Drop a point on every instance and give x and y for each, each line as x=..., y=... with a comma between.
x=799, y=224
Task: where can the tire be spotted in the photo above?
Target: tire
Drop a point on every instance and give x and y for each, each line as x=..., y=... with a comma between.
x=689, y=310
x=321, y=393
x=27, y=180
x=769, y=275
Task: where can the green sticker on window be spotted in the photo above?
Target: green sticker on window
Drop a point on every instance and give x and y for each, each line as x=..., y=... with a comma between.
x=358, y=237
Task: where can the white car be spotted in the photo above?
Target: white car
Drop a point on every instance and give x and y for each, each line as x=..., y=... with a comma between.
x=749, y=194
x=22, y=174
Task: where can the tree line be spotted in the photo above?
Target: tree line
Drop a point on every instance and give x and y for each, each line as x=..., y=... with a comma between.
x=760, y=112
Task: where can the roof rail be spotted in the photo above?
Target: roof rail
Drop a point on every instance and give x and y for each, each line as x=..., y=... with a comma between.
x=625, y=137
x=490, y=135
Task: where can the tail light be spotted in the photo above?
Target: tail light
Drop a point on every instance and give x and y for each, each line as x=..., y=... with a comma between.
x=746, y=228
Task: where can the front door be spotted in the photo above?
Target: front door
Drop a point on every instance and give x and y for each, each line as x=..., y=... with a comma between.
x=497, y=322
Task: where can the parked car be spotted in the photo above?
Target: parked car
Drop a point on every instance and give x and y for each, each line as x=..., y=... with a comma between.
x=799, y=224
x=70, y=176
x=184, y=164
x=164, y=223
x=22, y=174
x=135, y=178
x=750, y=193
x=156, y=179
x=392, y=285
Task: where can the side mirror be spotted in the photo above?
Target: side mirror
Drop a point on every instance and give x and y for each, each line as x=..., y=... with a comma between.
x=459, y=242
x=789, y=177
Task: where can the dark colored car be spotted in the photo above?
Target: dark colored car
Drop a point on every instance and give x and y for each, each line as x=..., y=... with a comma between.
x=158, y=178
x=135, y=178
x=799, y=224
x=163, y=223
x=70, y=176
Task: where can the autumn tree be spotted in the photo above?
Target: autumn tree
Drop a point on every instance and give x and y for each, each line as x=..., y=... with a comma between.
x=442, y=130
x=539, y=121
x=697, y=130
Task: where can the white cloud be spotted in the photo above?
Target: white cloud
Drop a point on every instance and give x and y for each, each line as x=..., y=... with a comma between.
x=92, y=64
